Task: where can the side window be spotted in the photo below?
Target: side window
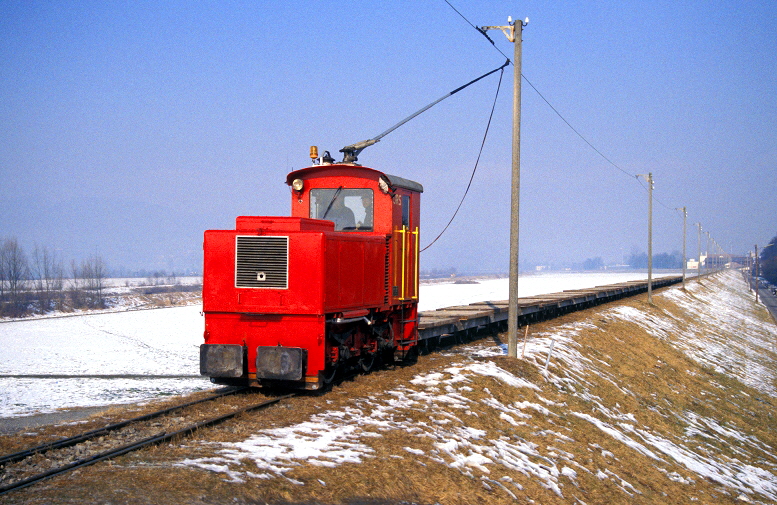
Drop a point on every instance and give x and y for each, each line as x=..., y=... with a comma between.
x=349, y=209
x=405, y=210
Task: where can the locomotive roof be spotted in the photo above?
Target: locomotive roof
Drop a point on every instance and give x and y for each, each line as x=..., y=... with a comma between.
x=368, y=173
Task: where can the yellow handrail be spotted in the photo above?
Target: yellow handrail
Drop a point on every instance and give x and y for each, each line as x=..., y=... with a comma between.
x=403, y=231
x=417, y=254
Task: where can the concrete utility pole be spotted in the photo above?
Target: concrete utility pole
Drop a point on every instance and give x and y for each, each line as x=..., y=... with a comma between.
x=715, y=260
x=514, y=31
x=749, y=265
x=711, y=251
x=715, y=263
x=756, y=273
x=698, y=266
x=685, y=260
x=649, y=179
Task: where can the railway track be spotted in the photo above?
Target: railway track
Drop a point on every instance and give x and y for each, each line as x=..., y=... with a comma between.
x=21, y=469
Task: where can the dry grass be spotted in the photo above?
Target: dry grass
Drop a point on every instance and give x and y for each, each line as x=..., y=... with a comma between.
x=627, y=371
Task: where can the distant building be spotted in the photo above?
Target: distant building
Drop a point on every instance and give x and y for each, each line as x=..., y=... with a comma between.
x=692, y=264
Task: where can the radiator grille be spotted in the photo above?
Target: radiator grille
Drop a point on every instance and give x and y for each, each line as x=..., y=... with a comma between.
x=262, y=262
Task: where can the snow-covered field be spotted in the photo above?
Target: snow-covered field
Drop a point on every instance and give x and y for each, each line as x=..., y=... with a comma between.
x=120, y=357
x=110, y=357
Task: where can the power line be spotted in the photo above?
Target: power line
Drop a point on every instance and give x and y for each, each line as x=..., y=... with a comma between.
x=480, y=30
x=477, y=161
x=608, y=160
x=591, y=145
x=654, y=198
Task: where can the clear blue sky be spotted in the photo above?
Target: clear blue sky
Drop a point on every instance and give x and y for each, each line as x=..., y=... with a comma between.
x=128, y=128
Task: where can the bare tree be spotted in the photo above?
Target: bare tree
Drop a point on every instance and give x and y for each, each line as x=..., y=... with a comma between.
x=59, y=284
x=97, y=274
x=39, y=283
x=16, y=273
x=48, y=274
x=76, y=291
x=88, y=282
x=2, y=274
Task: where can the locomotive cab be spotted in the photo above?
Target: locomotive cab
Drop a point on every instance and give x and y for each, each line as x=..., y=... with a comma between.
x=365, y=201
x=294, y=300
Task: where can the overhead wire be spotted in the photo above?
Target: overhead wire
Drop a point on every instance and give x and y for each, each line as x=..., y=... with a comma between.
x=477, y=162
x=352, y=151
x=608, y=160
x=480, y=30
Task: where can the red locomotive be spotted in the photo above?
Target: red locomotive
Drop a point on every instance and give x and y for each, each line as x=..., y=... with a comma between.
x=292, y=300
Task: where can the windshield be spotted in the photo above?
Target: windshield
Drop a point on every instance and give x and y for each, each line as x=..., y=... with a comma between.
x=349, y=209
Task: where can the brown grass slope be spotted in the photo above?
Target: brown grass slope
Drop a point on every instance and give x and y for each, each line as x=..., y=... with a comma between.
x=669, y=403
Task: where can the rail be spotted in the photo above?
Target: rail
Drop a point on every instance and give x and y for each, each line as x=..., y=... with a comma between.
x=157, y=438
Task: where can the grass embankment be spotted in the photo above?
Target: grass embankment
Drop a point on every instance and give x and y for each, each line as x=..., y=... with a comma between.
x=669, y=403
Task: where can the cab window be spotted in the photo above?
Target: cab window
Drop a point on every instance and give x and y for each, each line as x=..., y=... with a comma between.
x=349, y=209
x=406, y=211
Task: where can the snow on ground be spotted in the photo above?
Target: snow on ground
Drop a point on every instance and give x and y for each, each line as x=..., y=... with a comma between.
x=448, y=407
x=135, y=345
x=720, y=316
x=156, y=342
x=24, y=396
x=335, y=437
x=166, y=342
x=721, y=313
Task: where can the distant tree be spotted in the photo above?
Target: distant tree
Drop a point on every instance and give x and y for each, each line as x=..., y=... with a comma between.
x=156, y=278
x=664, y=260
x=91, y=276
x=88, y=282
x=593, y=264
x=15, y=275
x=49, y=278
x=97, y=270
x=440, y=272
x=768, y=261
x=2, y=274
x=77, y=284
x=638, y=260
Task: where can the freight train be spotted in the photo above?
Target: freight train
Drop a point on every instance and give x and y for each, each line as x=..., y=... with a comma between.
x=293, y=301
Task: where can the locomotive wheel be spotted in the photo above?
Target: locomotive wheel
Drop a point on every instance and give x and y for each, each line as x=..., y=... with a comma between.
x=330, y=373
x=387, y=356
x=407, y=357
x=412, y=355
x=367, y=361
